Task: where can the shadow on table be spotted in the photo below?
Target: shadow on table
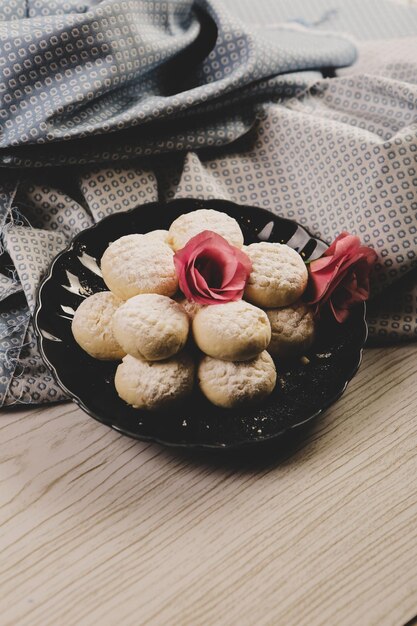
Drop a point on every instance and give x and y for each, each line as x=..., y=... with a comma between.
x=252, y=458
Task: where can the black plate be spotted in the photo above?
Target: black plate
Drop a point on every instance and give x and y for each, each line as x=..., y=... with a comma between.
x=303, y=390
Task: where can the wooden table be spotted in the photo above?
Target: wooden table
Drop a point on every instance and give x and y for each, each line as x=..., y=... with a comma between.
x=97, y=529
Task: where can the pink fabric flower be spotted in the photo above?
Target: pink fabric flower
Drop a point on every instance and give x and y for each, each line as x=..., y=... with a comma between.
x=210, y=270
x=341, y=276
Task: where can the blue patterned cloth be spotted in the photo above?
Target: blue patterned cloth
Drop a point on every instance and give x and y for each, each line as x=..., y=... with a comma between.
x=307, y=109
x=91, y=81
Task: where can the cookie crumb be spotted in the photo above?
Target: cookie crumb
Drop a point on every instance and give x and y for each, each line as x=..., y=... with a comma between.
x=324, y=355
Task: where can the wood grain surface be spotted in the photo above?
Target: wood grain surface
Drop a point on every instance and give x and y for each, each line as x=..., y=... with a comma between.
x=99, y=529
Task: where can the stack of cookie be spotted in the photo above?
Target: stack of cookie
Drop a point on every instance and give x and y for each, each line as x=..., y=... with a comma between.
x=160, y=335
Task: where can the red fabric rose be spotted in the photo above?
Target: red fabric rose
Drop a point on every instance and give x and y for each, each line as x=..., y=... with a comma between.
x=210, y=270
x=341, y=276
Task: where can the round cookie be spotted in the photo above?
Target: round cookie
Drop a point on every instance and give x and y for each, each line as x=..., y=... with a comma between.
x=154, y=385
x=134, y=264
x=235, y=331
x=292, y=330
x=188, y=225
x=279, y=275
x=150, y=326
x=229, y=384
x=92, y=326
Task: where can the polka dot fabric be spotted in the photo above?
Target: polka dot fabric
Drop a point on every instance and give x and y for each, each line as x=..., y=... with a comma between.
x=155, y=100
x=108, y=191
x=81, y=74
x=32, y=382
x=32, y=250
x=50, y=208
x=14, y=322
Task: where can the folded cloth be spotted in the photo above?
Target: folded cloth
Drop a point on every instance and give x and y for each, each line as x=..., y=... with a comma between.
x=160, y=100
x=111, y=80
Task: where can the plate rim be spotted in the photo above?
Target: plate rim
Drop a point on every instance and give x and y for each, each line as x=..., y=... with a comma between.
x=154, y=439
